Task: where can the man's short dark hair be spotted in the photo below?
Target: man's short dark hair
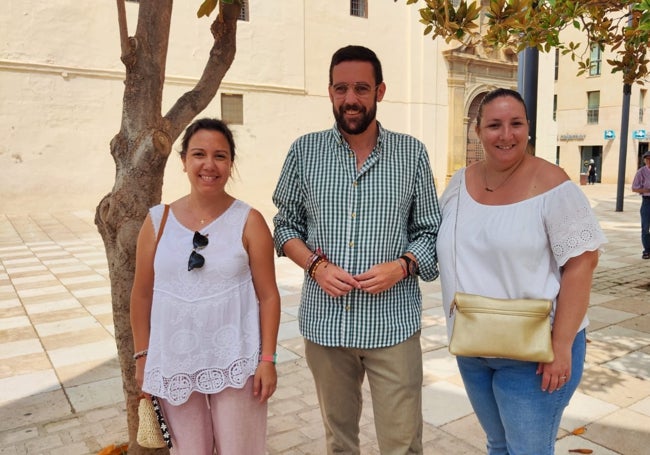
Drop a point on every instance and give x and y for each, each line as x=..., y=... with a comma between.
x=357, y=54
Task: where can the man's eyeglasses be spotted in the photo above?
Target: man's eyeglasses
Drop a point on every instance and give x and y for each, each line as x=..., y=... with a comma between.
x=197, y=260
x=360, y=89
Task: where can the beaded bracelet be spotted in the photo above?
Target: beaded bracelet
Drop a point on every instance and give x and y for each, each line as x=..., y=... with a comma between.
x=140, y=354
x=315, y=265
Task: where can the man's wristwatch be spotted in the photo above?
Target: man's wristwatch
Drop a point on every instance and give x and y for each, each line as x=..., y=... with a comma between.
x=411, y=265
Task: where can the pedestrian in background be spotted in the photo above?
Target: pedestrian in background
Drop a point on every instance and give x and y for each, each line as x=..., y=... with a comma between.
x=357, y=210
x=641, y=185
x=205, y=328
x=515, y=227
x=591, y=172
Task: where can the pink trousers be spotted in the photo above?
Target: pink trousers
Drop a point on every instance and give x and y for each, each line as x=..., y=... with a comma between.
x=232, y=421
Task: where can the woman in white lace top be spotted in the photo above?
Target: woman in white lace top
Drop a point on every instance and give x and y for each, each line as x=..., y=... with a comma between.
x=515, y=226
x=205, y=307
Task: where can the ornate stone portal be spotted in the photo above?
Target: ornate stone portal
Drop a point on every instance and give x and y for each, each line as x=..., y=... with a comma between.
x=473, y=71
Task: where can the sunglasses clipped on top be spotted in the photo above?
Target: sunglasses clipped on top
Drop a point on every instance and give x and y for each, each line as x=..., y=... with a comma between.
x=197, y=260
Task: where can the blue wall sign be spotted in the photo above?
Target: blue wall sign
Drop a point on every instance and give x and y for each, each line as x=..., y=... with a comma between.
x=639, y=134
x=610, y=134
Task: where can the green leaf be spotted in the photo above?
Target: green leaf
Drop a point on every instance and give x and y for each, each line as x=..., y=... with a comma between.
x=517, y=24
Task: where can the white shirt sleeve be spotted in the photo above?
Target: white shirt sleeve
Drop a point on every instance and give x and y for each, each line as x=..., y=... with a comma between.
x=571, y=225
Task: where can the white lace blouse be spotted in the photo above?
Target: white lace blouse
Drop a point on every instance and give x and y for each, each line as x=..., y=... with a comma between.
x=514, y=250
x=205, y=331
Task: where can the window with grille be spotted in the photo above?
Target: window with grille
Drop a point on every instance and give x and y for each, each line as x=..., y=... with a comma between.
x=232, y=108
x=557, y=63
x=359, y=8
x=593, y=107
x=554, y=107
x=642, y=94
x=243, y=14
x=595, y=60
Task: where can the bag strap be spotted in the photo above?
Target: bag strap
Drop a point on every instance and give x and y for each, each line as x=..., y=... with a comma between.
x=161, y=419
x=462, y=182
x=162, y=224
x=154, y=401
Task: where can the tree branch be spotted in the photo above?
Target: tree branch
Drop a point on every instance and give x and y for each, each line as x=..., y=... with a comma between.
x=145, y=79
x=222, y=54
x=127, y=45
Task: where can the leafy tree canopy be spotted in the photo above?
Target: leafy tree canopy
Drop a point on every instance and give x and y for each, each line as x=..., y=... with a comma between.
x=622, y=26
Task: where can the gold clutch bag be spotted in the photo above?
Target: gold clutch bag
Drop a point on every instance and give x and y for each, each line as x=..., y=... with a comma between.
x=517, y=329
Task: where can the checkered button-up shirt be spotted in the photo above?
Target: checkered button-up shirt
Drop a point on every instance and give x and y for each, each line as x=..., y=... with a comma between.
x=359, y=218
x=642, y=180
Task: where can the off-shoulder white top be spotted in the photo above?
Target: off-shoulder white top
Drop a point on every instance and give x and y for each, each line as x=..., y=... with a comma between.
x=514, y=250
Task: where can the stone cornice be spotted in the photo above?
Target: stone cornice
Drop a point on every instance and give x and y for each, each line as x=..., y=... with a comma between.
x=460, y=59
x=70, y=72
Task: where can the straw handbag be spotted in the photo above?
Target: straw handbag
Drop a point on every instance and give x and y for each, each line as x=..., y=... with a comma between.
x=152, y=429
x=150, y=434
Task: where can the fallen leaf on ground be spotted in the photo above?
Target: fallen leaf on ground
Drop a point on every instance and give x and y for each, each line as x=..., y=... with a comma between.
x=581, y=451
x=114, y=450
x=579, y=430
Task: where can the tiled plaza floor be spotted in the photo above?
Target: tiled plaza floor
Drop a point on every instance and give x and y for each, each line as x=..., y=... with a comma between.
x=60, y=386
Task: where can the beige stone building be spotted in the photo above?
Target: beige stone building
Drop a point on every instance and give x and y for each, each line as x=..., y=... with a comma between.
x=588, y=113
x=61, y=83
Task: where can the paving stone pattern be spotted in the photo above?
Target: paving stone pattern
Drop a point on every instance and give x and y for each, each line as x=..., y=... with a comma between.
x=60, y=385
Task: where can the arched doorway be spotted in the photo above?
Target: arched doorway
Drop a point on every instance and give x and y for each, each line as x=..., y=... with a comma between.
x=473, y=148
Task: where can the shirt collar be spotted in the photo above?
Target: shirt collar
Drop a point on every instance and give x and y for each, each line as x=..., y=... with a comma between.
x=341, y=140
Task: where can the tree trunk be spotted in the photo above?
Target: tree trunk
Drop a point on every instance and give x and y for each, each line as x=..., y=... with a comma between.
x=140, y=151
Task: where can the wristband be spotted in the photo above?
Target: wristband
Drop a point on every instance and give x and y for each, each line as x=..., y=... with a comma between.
x=269, y=358
x=311, y=260
x=316, y=259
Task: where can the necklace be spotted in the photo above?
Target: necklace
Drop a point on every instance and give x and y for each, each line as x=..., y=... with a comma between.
x=492, y=190
x=207, y=219
x=203, y=218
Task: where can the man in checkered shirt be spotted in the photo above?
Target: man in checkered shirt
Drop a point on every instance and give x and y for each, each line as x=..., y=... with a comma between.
x=357, y=209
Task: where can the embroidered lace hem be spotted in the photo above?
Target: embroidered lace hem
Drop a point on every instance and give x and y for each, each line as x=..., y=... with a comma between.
x=177, y=388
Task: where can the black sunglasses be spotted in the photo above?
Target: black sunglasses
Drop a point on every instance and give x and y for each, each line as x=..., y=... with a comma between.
x=196, y=260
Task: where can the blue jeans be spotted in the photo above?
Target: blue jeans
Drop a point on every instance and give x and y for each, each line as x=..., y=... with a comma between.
x=516, y=415
x=645, y=224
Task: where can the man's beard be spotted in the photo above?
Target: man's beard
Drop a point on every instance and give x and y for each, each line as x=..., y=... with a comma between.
x=358, y=125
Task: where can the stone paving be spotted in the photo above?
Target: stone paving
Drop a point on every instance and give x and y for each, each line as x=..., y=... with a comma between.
x=60, y=386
